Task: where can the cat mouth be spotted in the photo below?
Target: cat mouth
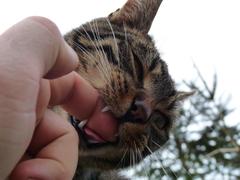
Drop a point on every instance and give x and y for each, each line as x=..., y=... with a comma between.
x=101, y=127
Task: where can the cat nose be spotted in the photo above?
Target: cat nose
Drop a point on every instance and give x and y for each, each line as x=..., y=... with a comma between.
x=139, y=112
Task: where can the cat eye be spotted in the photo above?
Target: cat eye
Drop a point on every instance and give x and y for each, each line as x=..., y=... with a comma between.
x=159, y=119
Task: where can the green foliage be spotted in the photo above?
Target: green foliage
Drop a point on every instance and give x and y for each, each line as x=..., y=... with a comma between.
x=202, y=146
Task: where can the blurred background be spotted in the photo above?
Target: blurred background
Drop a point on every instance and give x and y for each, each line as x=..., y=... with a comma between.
x=200, y=41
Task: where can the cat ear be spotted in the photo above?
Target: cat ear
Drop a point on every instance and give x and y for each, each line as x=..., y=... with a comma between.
x=138, y=14
x=181, y=96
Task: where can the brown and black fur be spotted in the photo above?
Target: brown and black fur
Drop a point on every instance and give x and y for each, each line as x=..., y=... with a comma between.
x=120, y=60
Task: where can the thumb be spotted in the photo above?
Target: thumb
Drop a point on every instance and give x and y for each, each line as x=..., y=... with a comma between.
x=39, y=46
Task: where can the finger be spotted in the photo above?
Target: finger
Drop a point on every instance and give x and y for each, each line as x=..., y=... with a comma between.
x=76, y=95
x=30, y=50
x=39, y=46
x=42, y=169
x=43, y=99
x=55, y=146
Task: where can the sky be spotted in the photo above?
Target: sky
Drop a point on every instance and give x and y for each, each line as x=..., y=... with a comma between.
x=206, y=32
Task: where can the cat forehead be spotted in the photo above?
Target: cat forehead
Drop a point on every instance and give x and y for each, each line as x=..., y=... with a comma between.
x=140, y=44
x=118, y=40
x=106, y=32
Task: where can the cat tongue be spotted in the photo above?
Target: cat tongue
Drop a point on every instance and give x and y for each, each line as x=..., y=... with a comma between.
x=101, y=126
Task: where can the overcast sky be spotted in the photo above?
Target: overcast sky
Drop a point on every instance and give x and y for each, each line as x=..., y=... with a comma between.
x=204, y=31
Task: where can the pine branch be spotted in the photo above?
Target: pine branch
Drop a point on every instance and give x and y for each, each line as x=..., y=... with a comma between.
x=223, y=150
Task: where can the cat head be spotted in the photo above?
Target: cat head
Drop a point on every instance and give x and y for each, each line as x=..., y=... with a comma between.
x=138, y=99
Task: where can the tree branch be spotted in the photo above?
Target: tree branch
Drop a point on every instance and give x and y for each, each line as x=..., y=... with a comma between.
x=223, y=150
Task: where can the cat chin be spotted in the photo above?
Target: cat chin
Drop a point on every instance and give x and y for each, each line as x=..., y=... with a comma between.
x=111, y=156
x=95, y=154
x=107, y=157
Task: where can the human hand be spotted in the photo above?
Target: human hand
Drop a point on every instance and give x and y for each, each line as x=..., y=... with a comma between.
x=31, y=53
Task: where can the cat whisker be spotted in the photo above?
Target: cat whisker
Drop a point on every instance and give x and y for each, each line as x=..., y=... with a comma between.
x=133, y=155
x=116, y=55
x=158, y=145
x=135, y=151
x=164, y=170
x=158, y=152
x=132, y=158
x=100, y=55
x=102, y=58
x=85, y=52
x=114, y=38
x=94, y=35
x=103, y=65
x=141, y=158
x=106, y=64
x=136, y=156
x=124, y=159
x=121, y=163
x=162, y=166
x=138, y=153
x=82, y=49
x=88, y=55
x=148, y=149
x=188, y=173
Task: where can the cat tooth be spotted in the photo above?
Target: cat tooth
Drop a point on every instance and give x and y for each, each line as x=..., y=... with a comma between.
x=82, y=123
x=105, y=109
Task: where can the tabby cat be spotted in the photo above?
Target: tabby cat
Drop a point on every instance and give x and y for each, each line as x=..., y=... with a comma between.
x=138, y=99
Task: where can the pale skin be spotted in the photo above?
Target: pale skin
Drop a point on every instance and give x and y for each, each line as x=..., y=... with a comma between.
x=36, y=73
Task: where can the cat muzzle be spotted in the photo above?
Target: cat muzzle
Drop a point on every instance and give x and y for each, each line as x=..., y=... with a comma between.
x=100, y=127
x=139, y=112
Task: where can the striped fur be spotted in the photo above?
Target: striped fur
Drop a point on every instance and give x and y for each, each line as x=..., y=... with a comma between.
x=119, y=59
